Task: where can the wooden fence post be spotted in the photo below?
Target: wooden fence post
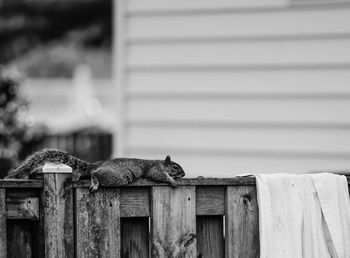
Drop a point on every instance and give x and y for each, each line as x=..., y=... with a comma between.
x=58, y=223
x=3, y=236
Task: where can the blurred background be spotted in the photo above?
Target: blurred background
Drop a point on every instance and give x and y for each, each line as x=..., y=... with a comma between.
x=55, y=79
x=225, y=87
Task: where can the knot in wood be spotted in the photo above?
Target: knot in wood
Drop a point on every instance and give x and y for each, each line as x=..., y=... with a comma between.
x=246, y=199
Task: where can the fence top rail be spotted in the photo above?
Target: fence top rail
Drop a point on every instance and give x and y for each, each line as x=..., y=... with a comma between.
x=204, y=181
x=186, y=181
x=21, y=183
x=234, y=181
x=30, y=183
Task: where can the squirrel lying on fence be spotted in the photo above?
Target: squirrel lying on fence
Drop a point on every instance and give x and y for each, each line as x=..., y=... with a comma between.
x=115, y=172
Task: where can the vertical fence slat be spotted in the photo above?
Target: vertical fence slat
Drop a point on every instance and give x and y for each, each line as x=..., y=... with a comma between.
x=19, y=238
x=210, y=237
x=37, y=250
x=134, y=237
x=58, y=224
x=98, y=223
x=3, y=241
x=41, y=229
x=173, y=221
x=242, y=229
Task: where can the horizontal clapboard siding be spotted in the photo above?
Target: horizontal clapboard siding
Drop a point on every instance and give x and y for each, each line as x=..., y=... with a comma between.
x=264, y=110
x=152, y=7
x=240, y=24
x=200, y=163
x=241, y=82
x=242, y=53
x=237, y=86
x=159, y=6
x=236, y=139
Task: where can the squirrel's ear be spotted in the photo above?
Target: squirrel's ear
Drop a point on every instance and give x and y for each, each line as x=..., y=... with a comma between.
x=167, y=161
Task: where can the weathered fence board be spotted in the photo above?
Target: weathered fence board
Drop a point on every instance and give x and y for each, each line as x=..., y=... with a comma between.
x=242, y=229
x=3, y=240
x=19, y=239
x=135, y=202
x=210, y=200
x=210, y=237
x=135, y=237
x=235, y=181
x=22, y=204
x=173, y=221
x=18, y=184
x=57, y=197
x=98, y=223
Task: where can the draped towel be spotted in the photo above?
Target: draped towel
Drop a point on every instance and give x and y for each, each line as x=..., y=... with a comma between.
x=306, y=216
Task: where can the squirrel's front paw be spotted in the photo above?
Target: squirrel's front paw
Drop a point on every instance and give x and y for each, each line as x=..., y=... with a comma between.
x=173, y=183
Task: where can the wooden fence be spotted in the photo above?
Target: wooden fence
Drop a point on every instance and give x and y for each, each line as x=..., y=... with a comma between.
x=53, y=217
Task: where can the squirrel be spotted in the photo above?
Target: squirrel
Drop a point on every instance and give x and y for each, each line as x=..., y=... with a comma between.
x=114, y=172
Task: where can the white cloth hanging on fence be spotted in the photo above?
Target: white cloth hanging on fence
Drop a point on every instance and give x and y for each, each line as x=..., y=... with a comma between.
x=303, y=216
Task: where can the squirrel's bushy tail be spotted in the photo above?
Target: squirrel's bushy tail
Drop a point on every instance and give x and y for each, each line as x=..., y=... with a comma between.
x=38, y=159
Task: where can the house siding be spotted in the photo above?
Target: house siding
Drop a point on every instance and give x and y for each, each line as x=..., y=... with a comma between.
x=236, y=86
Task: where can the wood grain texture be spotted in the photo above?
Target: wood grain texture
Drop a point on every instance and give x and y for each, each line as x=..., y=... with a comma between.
x=242, y=222
x=20, y=239
x=58, y=215
x=200, y=181
x=3, y=240
x=40, y=229
x=97, y=223
x=173, y=222
x=135, y=202
x=20, y=183
x=22, y=208
x=210, y=200
x=134, y=237
x=210, y=237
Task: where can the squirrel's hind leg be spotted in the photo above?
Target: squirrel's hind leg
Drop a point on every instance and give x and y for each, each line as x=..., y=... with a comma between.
x=94, y=184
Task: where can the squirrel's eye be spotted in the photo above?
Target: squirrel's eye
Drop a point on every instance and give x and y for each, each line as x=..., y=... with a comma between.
x=175, y=167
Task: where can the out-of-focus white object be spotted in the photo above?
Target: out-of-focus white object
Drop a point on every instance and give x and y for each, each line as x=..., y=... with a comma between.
x=87, y=108
x=303, y=215
x=85, y=101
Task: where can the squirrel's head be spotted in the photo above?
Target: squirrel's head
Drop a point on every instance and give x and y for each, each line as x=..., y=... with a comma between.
x=173, y=169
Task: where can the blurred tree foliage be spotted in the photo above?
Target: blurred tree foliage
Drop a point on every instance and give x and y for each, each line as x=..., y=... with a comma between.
x=18, y=131
x=43, y=27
